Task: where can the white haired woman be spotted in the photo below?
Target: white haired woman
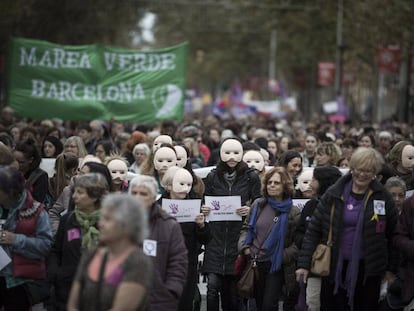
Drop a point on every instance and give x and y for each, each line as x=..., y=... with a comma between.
x=165, y=246
x=140, y=152
x=117, y=275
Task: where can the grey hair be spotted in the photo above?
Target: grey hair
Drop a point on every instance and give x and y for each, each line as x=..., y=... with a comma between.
x=82, y=152
x=142, y=146
x=130, y=213
x=395, y=182
x=145, y=181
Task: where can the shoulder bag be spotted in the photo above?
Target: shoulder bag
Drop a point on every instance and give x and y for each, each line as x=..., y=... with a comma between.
x=321, y=258
x=246, y=285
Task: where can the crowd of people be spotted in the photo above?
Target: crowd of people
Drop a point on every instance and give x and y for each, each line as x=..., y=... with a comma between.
x=97, y=234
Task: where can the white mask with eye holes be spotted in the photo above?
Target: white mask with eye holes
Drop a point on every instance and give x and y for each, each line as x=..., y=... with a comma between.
x=118, y=169
x=164, y=158
x=159, y=140
x=182, y=181
x=254, y=159
x=181, y=156
x=305, y=179
x=407, y=157
x=231, y=149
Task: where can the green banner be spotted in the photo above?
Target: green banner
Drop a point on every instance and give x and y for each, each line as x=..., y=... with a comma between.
x=47, y=80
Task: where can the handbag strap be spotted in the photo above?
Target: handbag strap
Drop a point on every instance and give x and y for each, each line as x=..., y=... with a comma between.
x=100, y=281
x=275, y=221
x=329, y=242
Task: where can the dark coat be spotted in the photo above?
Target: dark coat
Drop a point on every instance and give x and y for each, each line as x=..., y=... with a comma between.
x=170, y=262
x=305, y=218
x=65, y=257
x=221, y=251
x=404, y=242
x=290, y=251
x=194, y=238
x=377, y=242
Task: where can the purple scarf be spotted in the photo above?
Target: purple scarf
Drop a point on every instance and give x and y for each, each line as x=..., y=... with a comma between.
x=353, y=266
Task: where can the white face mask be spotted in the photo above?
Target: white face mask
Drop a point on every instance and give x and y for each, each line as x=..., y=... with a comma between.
x=254, y=159
x=231, y=149
x=407, y=157
x=118, y=169
x=304, y=180
x=164, y=158
x=158, y=141
x=182, y=181
x=181, y=156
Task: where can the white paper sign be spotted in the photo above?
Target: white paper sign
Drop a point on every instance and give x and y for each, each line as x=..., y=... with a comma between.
x=300, y=203
x=182, y=210
x=48, y=165
x=223, y=208
x=4, y=258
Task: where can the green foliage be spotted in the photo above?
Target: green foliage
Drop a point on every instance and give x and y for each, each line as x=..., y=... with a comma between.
x=232, y=36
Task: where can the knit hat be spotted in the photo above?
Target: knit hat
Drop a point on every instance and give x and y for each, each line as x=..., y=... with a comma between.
x=326, y=176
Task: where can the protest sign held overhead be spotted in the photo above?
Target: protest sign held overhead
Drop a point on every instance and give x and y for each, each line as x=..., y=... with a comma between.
x=47, y=80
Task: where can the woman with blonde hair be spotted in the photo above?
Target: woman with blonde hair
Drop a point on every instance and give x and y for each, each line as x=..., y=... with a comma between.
x=75, y=145
x=363, y=221
x=327, y=154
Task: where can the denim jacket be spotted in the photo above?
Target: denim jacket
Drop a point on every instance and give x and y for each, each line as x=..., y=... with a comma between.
x=29, y=247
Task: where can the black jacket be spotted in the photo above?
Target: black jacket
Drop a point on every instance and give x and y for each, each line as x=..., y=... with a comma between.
x=377, y=243
x=65, y=257
x=221, y=251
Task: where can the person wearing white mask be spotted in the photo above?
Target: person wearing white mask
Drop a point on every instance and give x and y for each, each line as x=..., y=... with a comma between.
x=182, y=156
x=254, y=159
x=183, y=160
x=303, y=187
x=178, y=183
x=401, y=159
x=231, y=177
x=119, y=171
x=164, y=158
x=158, y=141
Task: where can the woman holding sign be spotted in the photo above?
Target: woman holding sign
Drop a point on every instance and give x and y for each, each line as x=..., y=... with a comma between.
x=233, y=179
x=178, y=186
x=165, y=246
